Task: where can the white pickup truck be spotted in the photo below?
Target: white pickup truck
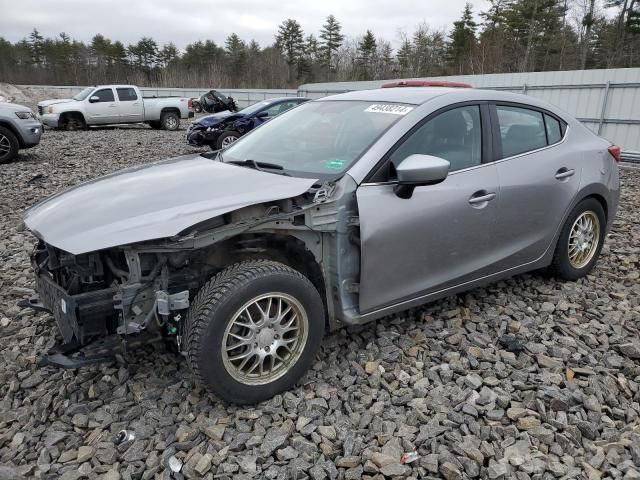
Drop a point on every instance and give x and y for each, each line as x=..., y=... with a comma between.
x=114, y=104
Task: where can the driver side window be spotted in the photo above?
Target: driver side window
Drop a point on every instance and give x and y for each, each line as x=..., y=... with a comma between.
x=105, y=95
x=455, y=135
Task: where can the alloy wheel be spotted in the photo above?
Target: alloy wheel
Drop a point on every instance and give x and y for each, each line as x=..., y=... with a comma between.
x=5, y=146
x=226, y=141
x=265, y=338
x=583, y=239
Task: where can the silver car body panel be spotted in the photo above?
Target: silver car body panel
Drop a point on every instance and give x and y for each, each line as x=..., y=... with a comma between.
x=153, y=201
x=379, y=254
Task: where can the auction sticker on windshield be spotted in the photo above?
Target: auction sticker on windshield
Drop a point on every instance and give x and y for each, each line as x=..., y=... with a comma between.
x=389, y=108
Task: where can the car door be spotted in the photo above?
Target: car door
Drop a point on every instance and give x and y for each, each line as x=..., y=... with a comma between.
x=443, y=234
x=130, y=106
x=102, y=107
x=539, y=177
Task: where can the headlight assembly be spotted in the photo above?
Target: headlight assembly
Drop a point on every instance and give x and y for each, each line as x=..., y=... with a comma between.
x=25, y=115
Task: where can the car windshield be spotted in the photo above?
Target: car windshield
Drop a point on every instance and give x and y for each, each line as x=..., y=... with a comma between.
x=317, y=139
x=83, y=94
x=255, y=107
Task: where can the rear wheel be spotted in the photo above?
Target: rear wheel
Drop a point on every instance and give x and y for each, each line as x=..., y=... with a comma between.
x=253, y=330
x=8, y=145
x=227, y=138
x=170, y=121
x=580, y=241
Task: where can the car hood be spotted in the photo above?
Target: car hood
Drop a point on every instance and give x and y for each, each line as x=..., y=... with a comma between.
x=153, y=201
x=216, y=118
x=46, y=103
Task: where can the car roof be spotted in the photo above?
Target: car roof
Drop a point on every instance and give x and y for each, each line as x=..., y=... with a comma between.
x=282, y=99
x=420, y=95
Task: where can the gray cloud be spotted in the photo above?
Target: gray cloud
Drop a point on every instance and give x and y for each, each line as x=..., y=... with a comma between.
x=186, y=21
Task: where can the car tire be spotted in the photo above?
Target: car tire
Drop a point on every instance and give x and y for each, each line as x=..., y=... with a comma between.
x=9, y=145
x=74, y=123
x=218, y=326
x=197, y=107
x=170, y=121
x=227, y=138
x=576, y=253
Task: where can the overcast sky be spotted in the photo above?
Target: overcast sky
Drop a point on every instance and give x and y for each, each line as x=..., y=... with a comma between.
x=185, y=21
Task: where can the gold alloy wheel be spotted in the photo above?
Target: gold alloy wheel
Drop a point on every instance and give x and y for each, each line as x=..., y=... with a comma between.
x=583, y=239
x=265, y=338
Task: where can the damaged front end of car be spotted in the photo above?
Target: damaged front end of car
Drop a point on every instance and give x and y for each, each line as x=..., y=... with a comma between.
x=100, y=300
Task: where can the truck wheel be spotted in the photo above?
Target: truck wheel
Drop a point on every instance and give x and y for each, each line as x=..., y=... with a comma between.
x=8, y=145
x=253, y=330
x=226, y=139
x=74, y=123
x=580, y=241
x=170, y=121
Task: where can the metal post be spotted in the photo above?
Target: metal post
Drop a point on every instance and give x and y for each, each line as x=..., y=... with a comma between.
x=524, y=88
x=604, y=106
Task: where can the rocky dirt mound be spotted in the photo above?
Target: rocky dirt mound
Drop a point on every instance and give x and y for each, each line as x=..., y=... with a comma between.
x=527, y=378
x=12, y=94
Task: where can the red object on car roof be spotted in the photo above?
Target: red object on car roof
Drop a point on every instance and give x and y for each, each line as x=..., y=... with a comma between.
x=426, y=83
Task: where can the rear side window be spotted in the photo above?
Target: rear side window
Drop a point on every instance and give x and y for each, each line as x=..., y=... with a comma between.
x=105, y=95
x=127, y=94
x=521, y=130
x=554, y=130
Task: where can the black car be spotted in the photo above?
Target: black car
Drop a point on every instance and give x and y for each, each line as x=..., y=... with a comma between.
x=214, y=102
x=224, y=128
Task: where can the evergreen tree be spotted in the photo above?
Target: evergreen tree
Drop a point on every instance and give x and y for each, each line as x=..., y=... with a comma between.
x=331, y=39
x=290, y=41
x=367, y=51
x=462, y=41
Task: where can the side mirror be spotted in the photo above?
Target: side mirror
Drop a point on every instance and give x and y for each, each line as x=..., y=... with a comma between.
x=419, y=170
x=264, y=114
x=94, y=99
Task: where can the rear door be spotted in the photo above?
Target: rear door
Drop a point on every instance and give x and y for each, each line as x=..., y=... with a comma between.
x=444, y=234
x=539, y=177
x=131, y=108
x=104, y=109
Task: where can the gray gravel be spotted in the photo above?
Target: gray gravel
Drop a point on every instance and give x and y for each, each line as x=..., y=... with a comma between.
x=528, y=378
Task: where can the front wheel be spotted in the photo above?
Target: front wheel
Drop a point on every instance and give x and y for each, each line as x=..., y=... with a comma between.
x=580, y=241
x=253, y=330
x=226, y=139
x=8, y=145
x=197, y=107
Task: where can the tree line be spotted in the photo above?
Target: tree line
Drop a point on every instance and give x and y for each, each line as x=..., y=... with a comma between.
x=510, y=36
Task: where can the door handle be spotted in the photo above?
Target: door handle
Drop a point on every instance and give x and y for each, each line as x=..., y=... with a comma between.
x=481, y=197
x=564, y=173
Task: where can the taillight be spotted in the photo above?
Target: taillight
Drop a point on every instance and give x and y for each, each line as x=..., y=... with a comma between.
x=190, y=103
x=615, y=152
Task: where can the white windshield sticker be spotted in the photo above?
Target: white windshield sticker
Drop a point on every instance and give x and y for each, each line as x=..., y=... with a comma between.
x=389, y=108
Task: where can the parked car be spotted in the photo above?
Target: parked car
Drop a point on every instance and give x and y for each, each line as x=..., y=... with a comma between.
x=213, y=102
x=19, y=129
x=338, y=212
x=114, y=104
x=222, y=129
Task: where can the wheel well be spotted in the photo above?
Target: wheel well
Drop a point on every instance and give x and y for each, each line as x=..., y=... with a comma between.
x=169, y=110
x=68, y=115
x=13, y=130
x=602, y=202
x=282, y=248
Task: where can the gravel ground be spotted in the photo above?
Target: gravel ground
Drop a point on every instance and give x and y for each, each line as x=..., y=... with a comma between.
x=528, y=378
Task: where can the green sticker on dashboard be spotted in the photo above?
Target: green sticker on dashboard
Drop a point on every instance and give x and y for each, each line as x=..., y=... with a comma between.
x=335, y=164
